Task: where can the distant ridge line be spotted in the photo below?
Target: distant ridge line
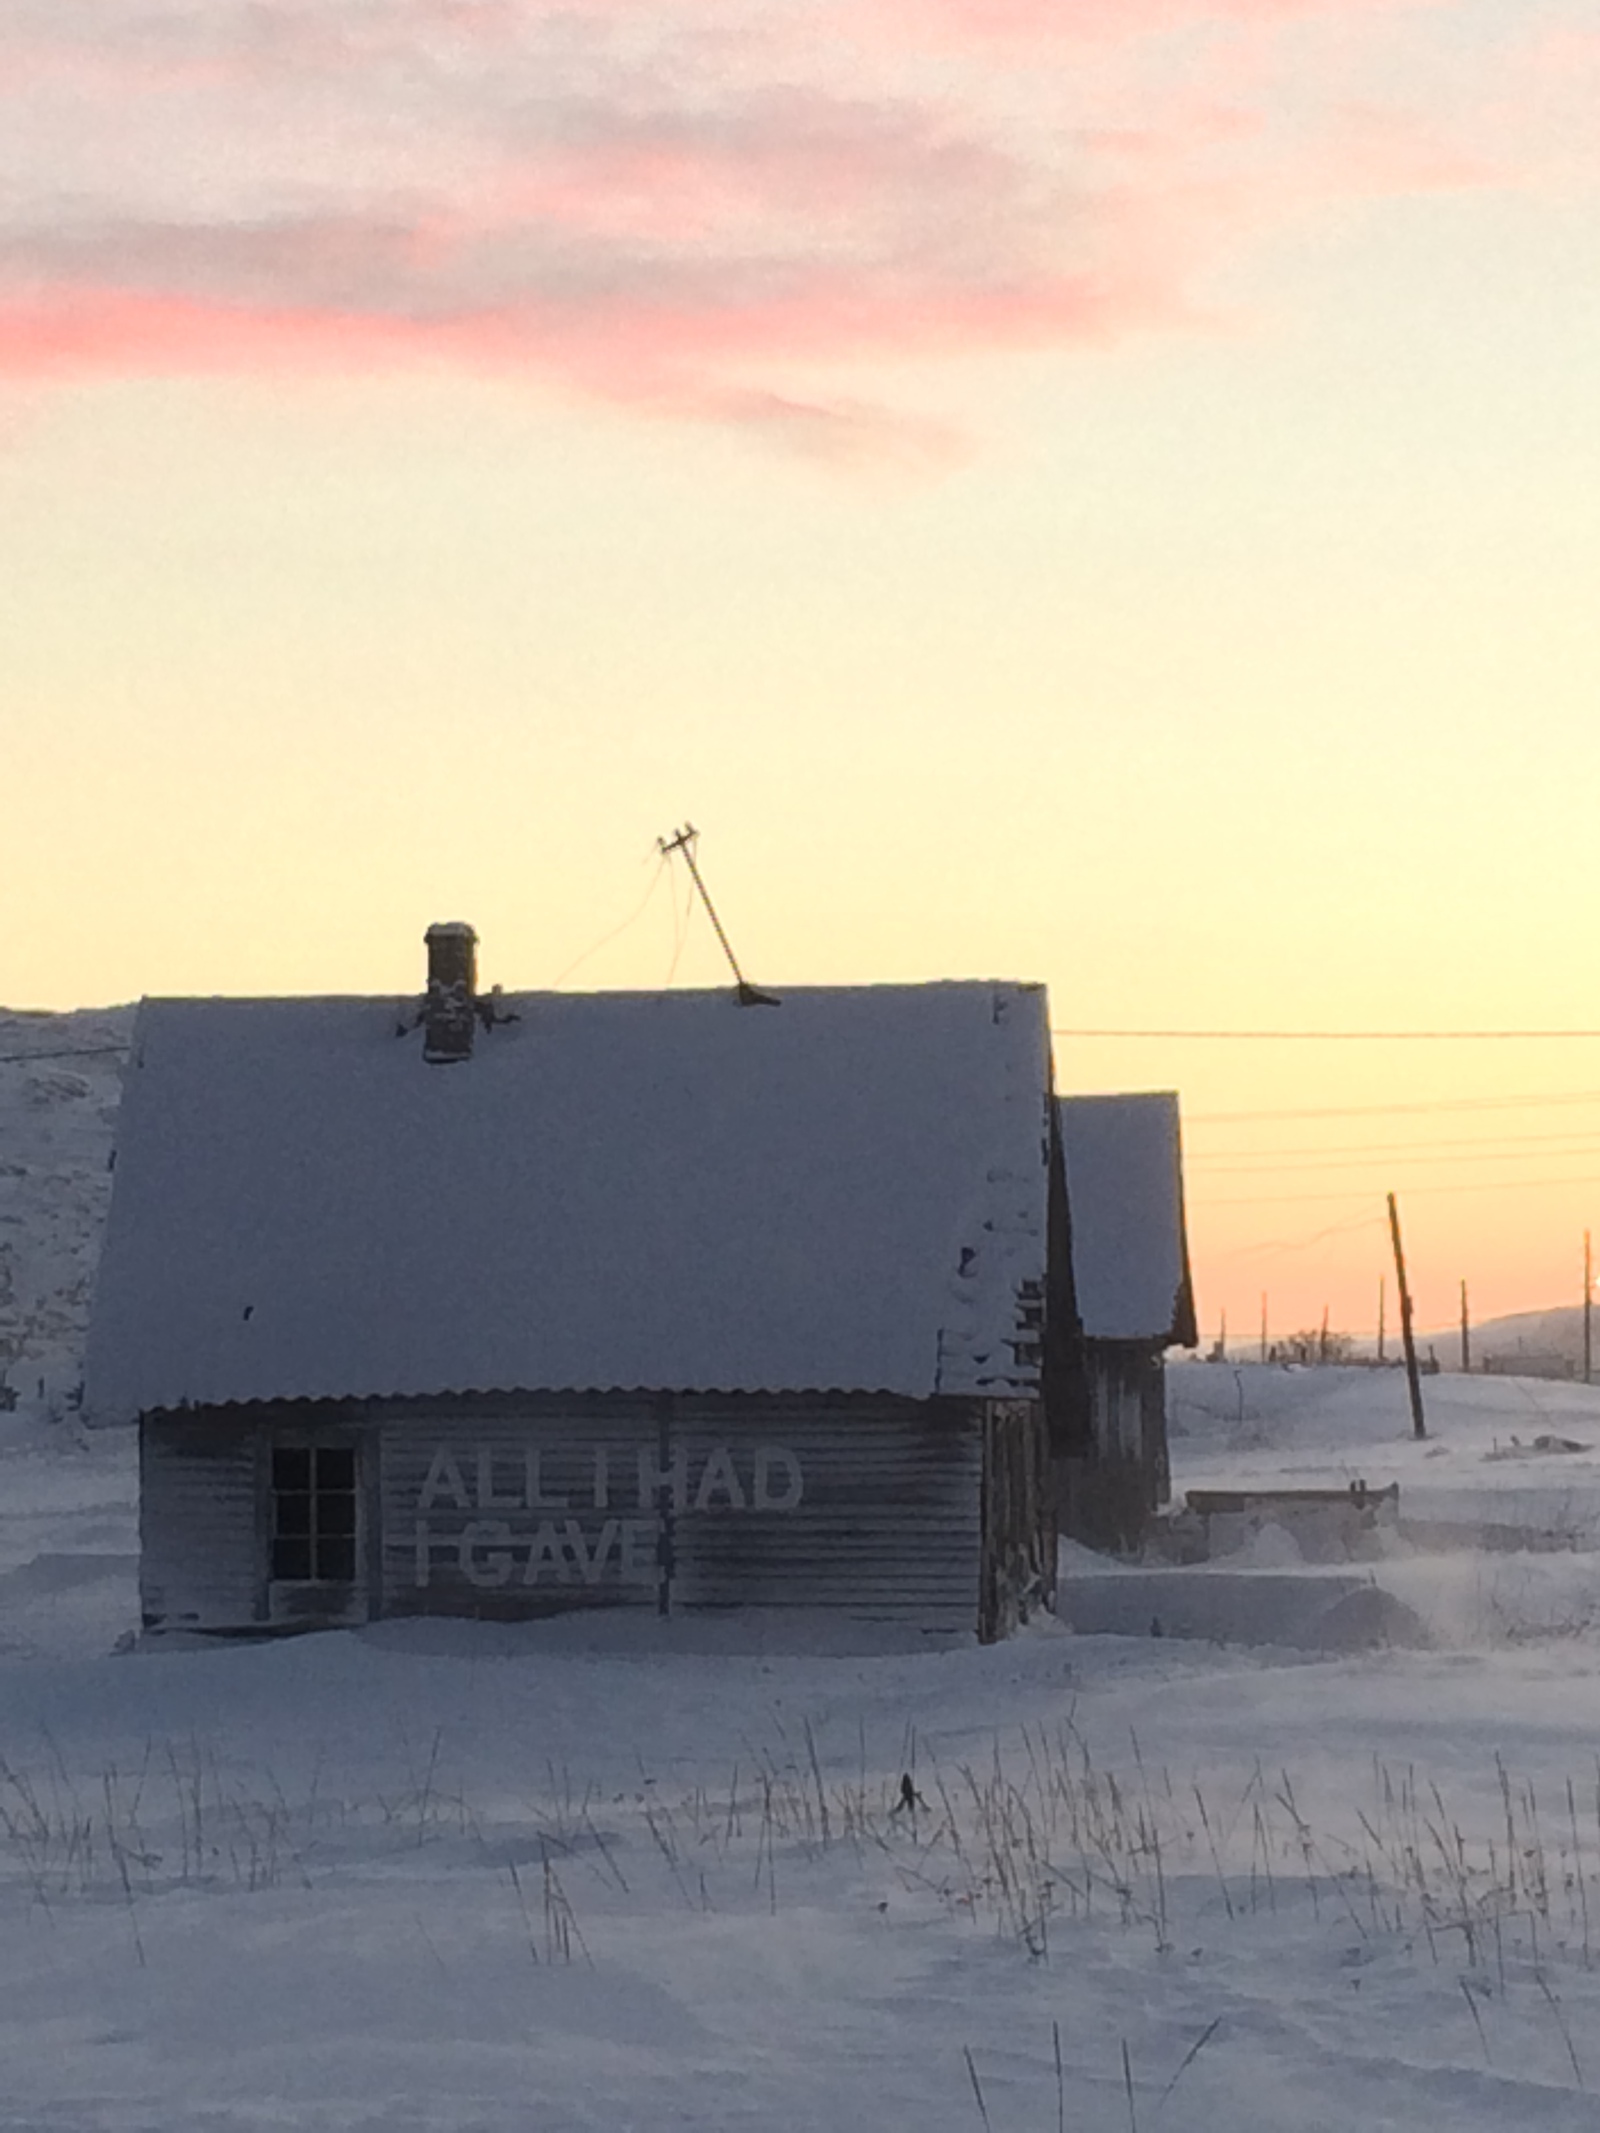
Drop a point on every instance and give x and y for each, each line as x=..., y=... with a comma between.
x=1342, y=1036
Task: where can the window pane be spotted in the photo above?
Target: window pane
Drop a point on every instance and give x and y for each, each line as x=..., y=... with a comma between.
x=293, y=1514
x=336, y=1560
x=336, y=1514
x=291, y=1559
x=336, y=1469
x=291, y=1468
x=314, y=1513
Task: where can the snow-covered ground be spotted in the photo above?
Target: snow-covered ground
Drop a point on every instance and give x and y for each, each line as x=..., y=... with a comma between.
x=1286, y=1427
x=633, y=1875
x=1500, y=1502
x=630, y=1875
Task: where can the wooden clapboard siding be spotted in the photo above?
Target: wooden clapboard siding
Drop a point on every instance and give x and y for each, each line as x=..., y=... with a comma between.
x=568, y=1440
x=511, y=1505
x=1111, y=1488
x=1019, y=1531
x=888, y=1525
x=202, y=1560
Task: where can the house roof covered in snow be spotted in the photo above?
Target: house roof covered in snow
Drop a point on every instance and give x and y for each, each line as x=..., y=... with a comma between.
x=1130, y=1251
x=618, y=1190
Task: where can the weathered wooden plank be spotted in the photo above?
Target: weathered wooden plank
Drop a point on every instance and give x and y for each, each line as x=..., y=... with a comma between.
x=1110, y=1487
x=199, y=1518
x=503, y=1514
x=1018, y=1516
x=877, y=1512
x=508, y=1507
x=771, y=1503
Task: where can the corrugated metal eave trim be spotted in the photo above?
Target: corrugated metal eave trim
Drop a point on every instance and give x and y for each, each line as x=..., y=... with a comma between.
x=991, y=1389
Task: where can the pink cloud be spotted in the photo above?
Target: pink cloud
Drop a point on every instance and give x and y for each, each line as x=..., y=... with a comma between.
x=698, y=208
x=1119, y=21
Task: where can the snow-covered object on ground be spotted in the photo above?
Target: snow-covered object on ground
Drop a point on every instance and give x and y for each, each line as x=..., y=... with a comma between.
x=1319, y=1611
x=1130, y=1255
x=846, y=1191
x=1485, y=1548
x=1274, y=1426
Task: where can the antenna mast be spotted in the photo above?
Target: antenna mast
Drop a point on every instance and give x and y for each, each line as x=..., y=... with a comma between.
x=683, y=842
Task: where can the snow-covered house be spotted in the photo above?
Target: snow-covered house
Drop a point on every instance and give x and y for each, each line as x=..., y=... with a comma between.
x=1123, y=1163
x=562, y=1300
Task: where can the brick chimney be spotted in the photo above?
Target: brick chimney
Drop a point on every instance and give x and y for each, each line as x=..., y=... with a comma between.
x=450, y=1010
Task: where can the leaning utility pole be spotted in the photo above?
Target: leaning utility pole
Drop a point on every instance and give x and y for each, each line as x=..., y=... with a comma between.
x=682, y=843
x=1588, y=1305
x=1419, y=1428
x=1466, y=1336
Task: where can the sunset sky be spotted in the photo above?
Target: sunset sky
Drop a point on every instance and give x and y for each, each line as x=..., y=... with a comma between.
x=1105, y=491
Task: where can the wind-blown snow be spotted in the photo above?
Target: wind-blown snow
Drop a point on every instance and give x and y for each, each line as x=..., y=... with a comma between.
x=592, y=1875
x=617, y=1190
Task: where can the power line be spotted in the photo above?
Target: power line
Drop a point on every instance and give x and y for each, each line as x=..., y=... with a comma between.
x=606, y=939
x=1271, y=1163
x=1367, y=1163
x=1303, y=1244
x=1296, y=1199
x=682, y=843
x=1573, y=1143
x=1437, y=1105
x=680, y=926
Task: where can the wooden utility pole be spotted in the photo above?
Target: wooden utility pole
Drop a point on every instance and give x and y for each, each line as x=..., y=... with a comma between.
x=682, y=842
x=1322, y=1337
x=1419, y=1428
x=1380, y=1317
x=1466, y=1334
x=1588, y=1306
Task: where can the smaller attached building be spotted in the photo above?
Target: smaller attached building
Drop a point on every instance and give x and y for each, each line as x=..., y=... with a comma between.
x=558, y=1301
x=1123, y=1163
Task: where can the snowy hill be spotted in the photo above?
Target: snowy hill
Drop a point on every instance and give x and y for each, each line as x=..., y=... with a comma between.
x=1533, y=1334
x=59, y=1086
x=1499, y=1452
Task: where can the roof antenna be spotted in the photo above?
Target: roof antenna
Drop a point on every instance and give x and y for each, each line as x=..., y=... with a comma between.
x=682, y=841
